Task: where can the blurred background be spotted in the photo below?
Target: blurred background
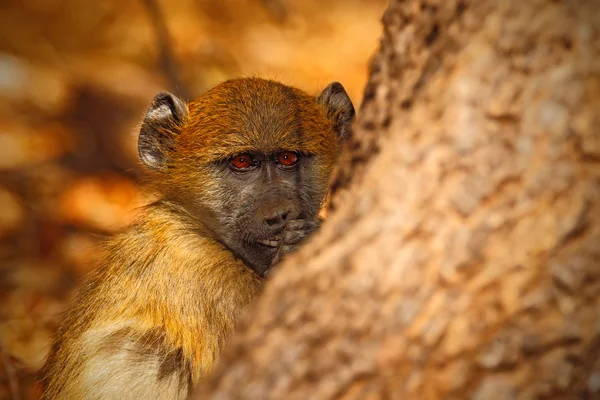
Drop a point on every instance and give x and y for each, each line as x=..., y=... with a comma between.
x=75, y=79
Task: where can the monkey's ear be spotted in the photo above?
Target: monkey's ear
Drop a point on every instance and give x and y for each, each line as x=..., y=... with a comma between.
x=339, y=108
x=164, y=118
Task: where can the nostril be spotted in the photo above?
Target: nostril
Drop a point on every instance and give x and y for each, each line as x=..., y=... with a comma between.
x=277, y=218
x=272, y=221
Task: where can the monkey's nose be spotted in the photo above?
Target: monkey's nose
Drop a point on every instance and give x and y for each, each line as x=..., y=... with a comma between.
x=278, y=217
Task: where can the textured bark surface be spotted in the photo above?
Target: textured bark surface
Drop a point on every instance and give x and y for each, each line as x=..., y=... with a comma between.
x=462, y=260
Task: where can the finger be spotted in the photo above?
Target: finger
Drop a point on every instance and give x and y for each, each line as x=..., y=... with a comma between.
x=296, y=236
x=302, y=224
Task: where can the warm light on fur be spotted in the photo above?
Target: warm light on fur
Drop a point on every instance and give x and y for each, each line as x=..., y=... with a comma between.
x=170, y=288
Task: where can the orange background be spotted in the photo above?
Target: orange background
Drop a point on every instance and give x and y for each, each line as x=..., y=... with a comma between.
x=75, y=78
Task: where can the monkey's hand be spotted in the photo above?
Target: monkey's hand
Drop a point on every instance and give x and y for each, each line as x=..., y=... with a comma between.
x=295, y=232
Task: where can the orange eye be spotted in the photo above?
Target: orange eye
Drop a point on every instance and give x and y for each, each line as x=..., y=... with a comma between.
x=242, y=161
x=287, y=158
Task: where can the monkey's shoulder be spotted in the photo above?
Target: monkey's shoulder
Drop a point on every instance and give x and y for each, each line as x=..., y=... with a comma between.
x=160, y=304
x=162, y=260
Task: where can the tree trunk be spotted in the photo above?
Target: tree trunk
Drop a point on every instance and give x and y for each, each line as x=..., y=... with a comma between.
x=462, y=260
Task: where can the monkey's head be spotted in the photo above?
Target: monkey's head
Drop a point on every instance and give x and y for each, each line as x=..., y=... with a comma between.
x=246, y=158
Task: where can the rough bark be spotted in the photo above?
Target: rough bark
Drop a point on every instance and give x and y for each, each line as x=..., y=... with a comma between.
x=462, y=260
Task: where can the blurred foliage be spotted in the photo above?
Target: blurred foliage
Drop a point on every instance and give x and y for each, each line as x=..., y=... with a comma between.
x=75, y=78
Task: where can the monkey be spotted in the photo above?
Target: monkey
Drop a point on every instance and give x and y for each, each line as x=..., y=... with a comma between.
x=242, y=172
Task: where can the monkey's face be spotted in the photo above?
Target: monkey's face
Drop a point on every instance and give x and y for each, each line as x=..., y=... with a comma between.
x=256, y=194
x=246, y=158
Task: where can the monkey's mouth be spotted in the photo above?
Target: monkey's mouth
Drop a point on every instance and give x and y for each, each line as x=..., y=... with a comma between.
x=272, y=242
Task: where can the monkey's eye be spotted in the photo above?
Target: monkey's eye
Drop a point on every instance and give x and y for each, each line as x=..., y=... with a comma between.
x=287, y=158
x=243, y=161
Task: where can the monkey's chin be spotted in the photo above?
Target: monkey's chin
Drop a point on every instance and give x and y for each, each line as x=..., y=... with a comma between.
x=259, y=254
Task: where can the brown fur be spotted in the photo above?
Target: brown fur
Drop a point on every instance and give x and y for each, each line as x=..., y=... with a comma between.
x=168, y=293
x=191, y=291
x=205, y=137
